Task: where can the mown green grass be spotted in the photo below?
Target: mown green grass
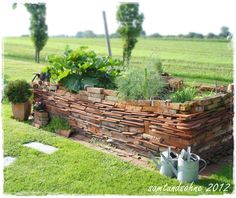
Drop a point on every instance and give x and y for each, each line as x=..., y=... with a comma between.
x=195, y=61
x=76, y=169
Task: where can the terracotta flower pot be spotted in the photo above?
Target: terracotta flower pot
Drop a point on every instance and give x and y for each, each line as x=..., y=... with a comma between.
x=21, y=111
x=65, y=133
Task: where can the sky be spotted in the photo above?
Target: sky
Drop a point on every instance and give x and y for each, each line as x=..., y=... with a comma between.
x=162, y=16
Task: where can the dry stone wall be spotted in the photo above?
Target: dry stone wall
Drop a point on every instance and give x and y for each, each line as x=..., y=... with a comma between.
x=143, y=125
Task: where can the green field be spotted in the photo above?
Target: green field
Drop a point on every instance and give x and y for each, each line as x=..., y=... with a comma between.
x=195, y=61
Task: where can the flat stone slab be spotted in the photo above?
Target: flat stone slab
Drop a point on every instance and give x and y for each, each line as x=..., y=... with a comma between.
x=41, y=147
x=8, y=160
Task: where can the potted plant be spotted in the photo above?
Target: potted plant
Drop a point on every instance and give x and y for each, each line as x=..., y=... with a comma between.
x=18, y=93
x=60, y=126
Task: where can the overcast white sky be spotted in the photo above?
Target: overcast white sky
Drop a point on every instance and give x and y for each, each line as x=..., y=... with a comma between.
x=163, y=16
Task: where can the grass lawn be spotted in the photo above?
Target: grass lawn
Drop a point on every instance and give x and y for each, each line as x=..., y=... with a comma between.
x=76, y=169
x=195, y=61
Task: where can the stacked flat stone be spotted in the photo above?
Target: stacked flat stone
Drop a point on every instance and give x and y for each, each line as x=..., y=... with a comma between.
x=40, y=119
x=144, y=125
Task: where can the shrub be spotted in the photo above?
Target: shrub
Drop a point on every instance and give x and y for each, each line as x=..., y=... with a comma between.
x=186, y=94
x=18, y=91
x=77, y=68
x=137, y=84
x=57, y=123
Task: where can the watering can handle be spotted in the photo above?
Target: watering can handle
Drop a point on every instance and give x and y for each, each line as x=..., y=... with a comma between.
x=204, y=166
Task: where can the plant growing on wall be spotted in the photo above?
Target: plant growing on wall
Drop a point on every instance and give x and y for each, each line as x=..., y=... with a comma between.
x=130, y=27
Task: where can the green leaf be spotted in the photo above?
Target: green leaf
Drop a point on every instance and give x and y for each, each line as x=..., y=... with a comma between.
x=72, y=82
x=63, y=74
x=92, y=81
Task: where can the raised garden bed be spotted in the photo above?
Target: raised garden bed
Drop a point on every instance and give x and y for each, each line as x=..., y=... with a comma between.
x=205, y=124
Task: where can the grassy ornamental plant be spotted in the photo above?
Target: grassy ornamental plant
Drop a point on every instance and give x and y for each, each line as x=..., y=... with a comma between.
x=183, y=95
x=18, y=91
x=57, y=123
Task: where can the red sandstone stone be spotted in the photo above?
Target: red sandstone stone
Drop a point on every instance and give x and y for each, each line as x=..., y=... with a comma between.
x=109, y=92
x=94, y=99
x=95, y=90
x=133, y=108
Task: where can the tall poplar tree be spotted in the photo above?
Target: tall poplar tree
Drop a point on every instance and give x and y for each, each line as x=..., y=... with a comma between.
x=130, y=27
x=38, y=27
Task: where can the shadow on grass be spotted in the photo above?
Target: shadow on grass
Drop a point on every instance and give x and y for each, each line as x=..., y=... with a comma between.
x=226, y=172
x=216, y=186
x=220, y=181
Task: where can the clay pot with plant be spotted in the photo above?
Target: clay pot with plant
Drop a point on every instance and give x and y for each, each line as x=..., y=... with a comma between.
x=60, y=126
x=18, y=92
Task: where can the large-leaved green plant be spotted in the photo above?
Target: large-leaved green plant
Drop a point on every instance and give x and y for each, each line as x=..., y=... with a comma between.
x=77, y=68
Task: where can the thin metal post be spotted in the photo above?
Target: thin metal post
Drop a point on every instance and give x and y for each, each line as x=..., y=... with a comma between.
x=107, y=34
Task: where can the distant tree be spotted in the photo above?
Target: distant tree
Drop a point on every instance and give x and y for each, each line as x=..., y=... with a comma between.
x=115, y=35
x=180, y=35
x=60, y=36
x=155, y=35
x=143, y=33
x=130, y=27
x=79, y=34
x=100, y=36
x=170, y=36
x=224, y=32
x=211, y=35
x=199, y=35
x=194, y=35
x=86, y=34
x=38, y=27
x=89, y=34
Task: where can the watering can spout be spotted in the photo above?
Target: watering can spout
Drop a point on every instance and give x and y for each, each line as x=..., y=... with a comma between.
x=170, y=164
x=158, y=165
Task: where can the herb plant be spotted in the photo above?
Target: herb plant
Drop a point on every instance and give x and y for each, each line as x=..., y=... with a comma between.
x=186, y=94
x=137, y=84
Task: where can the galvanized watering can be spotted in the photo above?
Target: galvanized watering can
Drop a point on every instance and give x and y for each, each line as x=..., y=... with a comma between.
x=188, y=166
x=163, y=166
